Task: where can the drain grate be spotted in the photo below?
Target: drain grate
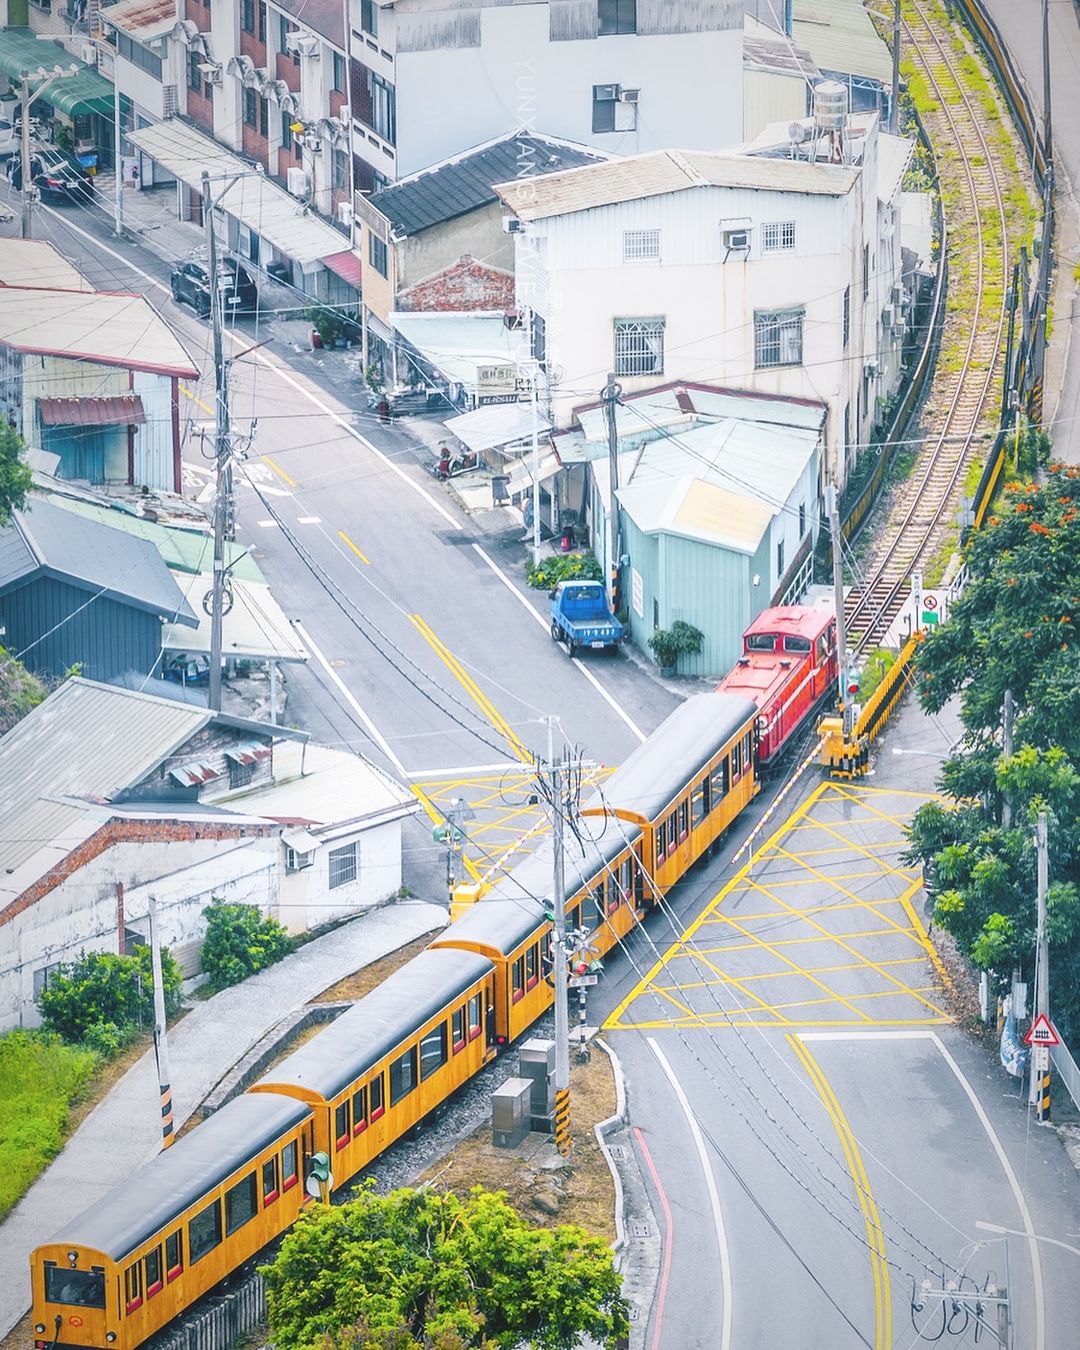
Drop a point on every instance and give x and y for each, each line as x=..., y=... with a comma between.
x=639, y=1229
x=616, y=1152
x=632, y=1312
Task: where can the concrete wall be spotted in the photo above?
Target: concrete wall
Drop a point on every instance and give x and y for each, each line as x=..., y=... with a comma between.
x=305, y=899
x=479, y=233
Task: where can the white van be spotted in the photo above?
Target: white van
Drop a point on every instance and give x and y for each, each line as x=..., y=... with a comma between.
x=9, y=142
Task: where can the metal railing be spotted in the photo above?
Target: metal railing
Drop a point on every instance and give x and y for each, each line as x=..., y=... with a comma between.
x=1068, y=1071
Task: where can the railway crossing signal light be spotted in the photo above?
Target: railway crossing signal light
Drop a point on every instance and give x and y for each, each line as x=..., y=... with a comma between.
x=320, y=1179
x=581, y=967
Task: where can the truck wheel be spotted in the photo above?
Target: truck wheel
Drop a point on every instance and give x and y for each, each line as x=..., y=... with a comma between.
x=556, y=632
x=571, y=649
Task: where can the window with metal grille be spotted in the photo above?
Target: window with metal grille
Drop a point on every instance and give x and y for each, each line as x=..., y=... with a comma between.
x=342, y=865
x=778, y=338
x=640, y=245
x=240, y=775
x=639, y=346
x=777, y=236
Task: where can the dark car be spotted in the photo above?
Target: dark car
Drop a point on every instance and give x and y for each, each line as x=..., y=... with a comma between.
x=58, y=177
x=191, y=285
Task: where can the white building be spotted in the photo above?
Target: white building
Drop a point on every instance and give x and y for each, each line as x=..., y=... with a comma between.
x=757, y=268
x=430, y=77
x=108, y=796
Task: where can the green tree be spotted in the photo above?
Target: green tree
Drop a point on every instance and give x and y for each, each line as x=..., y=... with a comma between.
x=1014, y=628
x=240, y=940
x=15, y=476
x=416, y=1269
x=101, y=997
x=19, y=691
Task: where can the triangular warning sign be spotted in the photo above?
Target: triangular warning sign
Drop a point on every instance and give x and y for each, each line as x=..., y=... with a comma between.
x=1042, y=1032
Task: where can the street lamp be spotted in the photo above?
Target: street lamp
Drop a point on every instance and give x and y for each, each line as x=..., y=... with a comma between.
x=26, y=97
x=1017, y=1232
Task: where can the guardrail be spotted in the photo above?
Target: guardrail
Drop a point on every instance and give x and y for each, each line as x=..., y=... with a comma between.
x=848, y=756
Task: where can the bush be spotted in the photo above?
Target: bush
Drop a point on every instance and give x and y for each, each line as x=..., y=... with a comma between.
x=102, y=990
x=40, y=1078
x=240, y=941
x=668, y=644
x=547, y=573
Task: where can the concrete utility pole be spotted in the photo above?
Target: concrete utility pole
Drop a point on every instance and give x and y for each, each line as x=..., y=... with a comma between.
x=1040, y=1054
x=161, y=1046
x=26, y=97
x=219, y=596
x=833, y=508
x=894, y=102
x=118, y=159
x=558, y=900
x=1007, y=749
x=610, y=394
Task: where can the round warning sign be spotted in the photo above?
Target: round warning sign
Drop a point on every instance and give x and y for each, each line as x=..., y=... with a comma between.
x=929, y=602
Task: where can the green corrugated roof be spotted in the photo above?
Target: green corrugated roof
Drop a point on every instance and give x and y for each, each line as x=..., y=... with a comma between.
x=86, y=92
x=182, y=550
x=841, y=38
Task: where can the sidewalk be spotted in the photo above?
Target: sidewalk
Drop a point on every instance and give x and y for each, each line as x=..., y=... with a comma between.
x=124, y=1130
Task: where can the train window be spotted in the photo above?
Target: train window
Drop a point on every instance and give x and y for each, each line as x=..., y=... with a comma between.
x=736, y=761
x=458, y=1029
x=613, y=894
x=684, y=819
x=270, y=1187
x=719, y=781
x=797, y=644
x=341, y=1124
x=174, y=1255
x=639, y=884
x=661, y=842
x=517, y=979
x=747, y=750
x=133, y=1287
x=403, y=1076
x=290, y=1174
x=823, y=648
x=761, y=642
x=574, y=917
x=433, y=1053
x=204, y=1231
x=672, y=828
x=152, y=1269
x=375, y=1087
x=359, y=1111
x=597, y=897
x=699, y=803
x=79, y=1288
x=532, y=966
x=241, y=1204
x=626, y=877
x=476, y=1016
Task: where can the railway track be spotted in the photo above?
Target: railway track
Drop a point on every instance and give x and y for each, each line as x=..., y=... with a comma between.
x=962, y=404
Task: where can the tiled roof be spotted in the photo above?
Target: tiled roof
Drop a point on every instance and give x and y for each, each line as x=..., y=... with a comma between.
x=456, y=186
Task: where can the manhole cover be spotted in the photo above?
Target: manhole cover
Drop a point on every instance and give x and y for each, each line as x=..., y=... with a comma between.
x=639, y=1229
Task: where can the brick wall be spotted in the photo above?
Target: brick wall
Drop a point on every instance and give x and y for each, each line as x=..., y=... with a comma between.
x=467, y=285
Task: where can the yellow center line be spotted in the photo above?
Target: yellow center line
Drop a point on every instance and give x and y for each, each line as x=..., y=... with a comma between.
x=196, y=400
x=875, y=1237
x=450, y=661
x=349, y=544
x=286, y=478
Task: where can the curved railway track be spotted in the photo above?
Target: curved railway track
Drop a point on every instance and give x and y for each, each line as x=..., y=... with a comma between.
x=959, y=401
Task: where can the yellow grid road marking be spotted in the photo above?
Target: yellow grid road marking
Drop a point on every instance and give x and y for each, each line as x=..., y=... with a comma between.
x=875, y=1236
x=454, y=666
x=775, y=853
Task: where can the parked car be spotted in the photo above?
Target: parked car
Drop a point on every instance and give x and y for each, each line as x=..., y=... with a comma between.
x=9, y=142
x=191, y=285
x=59, y=177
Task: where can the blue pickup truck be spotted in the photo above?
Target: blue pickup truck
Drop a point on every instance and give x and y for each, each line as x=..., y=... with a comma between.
x=582, y=617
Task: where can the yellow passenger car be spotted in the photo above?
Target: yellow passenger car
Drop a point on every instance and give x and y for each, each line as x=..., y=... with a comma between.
x=178, y=1226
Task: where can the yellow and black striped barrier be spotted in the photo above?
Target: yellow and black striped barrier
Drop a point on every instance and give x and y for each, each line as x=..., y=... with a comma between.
x=848, y=756
x=562, y=1120
x=165, y=1090
x=1042, y=1105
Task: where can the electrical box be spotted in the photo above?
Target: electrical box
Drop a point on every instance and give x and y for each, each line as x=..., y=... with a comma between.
x=510, y=1116
x=537, y=1063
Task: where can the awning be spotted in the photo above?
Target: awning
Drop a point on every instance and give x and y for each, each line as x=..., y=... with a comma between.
x=248, y=752
x=255, y=627
x=125, y=410
x=292, y=229
x=521, y=475
x=476, y=351
x=196, y=771
x=345, y=265
x=299, y=840
x=84, y=92
x=497, y=425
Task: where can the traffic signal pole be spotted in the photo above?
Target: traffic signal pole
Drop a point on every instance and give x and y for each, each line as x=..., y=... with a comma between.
x=559, y=953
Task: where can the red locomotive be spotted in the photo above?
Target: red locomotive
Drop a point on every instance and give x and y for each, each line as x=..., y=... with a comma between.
x=788, y=665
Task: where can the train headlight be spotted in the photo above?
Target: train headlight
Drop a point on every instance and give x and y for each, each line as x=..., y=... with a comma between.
x=73, y=1257
x=39, y=1330
x=110, y=1336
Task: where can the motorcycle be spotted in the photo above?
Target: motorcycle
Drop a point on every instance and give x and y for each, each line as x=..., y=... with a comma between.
x=449, y=466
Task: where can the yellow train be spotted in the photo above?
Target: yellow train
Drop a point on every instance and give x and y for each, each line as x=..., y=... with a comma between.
x=180, y=1224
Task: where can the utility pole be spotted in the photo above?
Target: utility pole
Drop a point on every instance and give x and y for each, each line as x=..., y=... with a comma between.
x=559, y=953
x=161, y=1046
x=1040, y=1054
x=894, y=102
x=833, y=509
x=26, y=181
x=1048, y=137
x=1007, y=749
x=610, y=395
x=222, y=456
x=118, y=159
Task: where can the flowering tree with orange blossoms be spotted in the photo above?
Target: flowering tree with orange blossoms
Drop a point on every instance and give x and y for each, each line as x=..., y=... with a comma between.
x=1016, y=627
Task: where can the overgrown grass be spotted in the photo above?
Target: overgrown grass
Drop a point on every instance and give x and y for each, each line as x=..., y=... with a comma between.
x=41, y=1078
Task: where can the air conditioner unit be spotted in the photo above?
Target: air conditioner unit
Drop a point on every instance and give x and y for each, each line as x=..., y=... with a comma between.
x=604, y=93
x=303, y=44
x=870, y=370
x=511, y=225
x=897, y=296
x=629, y=95
x=888, y=316
x=737, y=240
x=210, y=71
x=89, y=53
x=170, y=104
x=297, y=181
x=345, y=213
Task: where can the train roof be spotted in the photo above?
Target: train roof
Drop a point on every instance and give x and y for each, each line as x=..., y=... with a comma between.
x=497, y=922
x=762, y=675
x=676, y=751
x=533, y=877
x=378, y=1022
x=808, y=621
x=179, y=1175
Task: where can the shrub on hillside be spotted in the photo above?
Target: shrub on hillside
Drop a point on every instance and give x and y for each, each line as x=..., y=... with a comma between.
x=100, y=998
x=240, y=940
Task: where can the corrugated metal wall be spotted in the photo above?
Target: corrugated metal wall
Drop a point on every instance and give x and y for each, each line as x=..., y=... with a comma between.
x=105, y=638
x=153, y=440
x=688, y=16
